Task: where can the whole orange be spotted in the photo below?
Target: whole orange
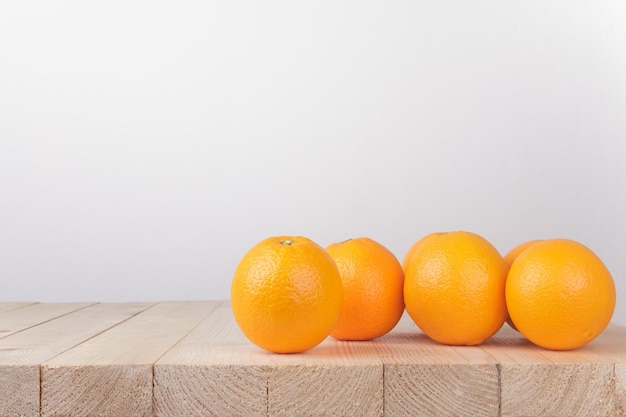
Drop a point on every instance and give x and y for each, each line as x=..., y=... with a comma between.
x=373, y=283
x=454, y=288
x=509, y=258
x=286, y=294
x=560, y=295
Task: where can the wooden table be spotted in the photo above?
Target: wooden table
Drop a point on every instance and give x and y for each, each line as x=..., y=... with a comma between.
x=190, y=359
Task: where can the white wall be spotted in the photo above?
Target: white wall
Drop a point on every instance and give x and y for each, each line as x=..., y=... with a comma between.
x=145, y=146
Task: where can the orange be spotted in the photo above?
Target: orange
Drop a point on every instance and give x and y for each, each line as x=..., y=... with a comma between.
x=516, y=251
x=373, y=282
x=410, y=252
x=509, y=258
x=454, y=288
x=286, y=294
x=559, y=294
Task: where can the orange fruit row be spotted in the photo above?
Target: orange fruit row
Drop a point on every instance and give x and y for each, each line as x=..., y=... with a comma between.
x=288, y=293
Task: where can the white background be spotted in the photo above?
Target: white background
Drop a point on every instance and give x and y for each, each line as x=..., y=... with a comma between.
x=146, y=145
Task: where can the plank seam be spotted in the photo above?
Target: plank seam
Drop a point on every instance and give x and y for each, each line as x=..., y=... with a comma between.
x=152, y=407
x=499, y=376
x=382, y=363
x=209, y=312
x=99, y=333
x=40, y=367
x=40, y=390
x=267, y=393
x=45, y=321
x=152, y=367
x=30, y=304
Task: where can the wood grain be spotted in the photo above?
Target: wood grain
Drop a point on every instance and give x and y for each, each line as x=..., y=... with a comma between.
x=111, y=374
x=22, y=353
x=424, y=378
x=18, y=319
x=620, y=389
x=215, y=371
x=12, y=305
x=334, y=379
x=541, y=382
x=610, y=347
x=190, y=359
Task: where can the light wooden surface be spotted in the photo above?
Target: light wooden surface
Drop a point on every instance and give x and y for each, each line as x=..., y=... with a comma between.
x=6, y=306
x=111, y=373
x=537, y=381
x=216, y=371
x=25, y=350
x=16, y=318
x=190, y=359
x=423, y=377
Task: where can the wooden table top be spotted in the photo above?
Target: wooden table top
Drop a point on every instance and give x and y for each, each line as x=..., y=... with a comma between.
x=189, y=358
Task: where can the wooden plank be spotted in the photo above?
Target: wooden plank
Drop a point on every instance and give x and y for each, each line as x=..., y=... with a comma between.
x=23, y=352
x=425, y=378
x=112, y=373
x=12, y=305
x=216, y=371
x=191, y=359
x=334, y=379
x=610, y=346
x=538, y=382
x=213, y=371
x=16, y=320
